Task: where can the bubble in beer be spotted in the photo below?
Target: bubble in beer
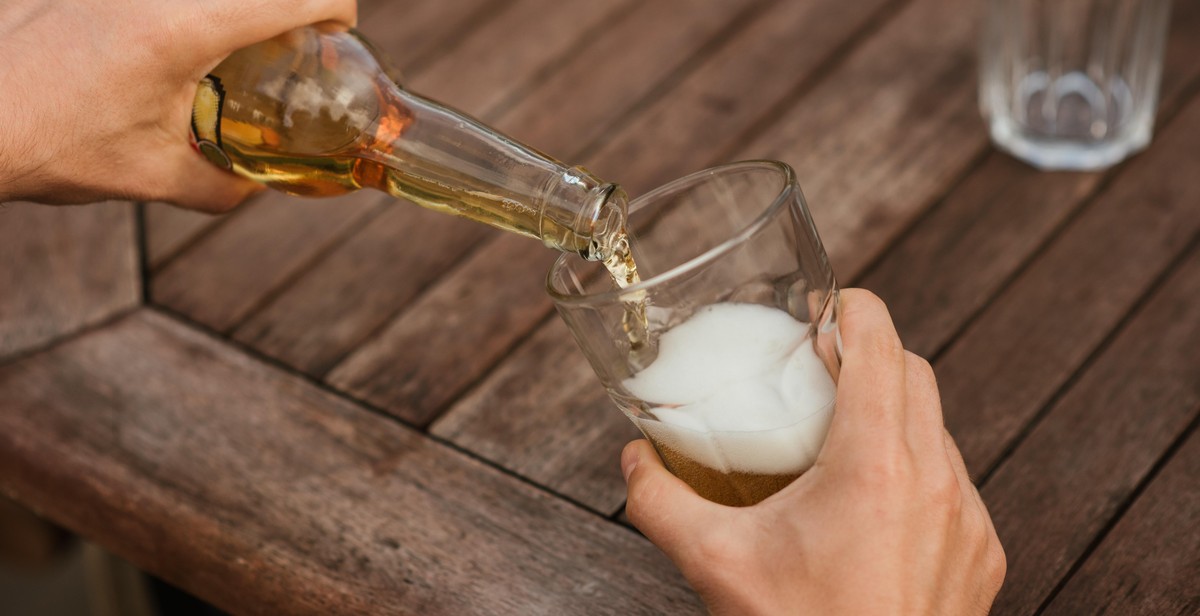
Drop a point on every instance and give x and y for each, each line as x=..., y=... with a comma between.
x=738, y=389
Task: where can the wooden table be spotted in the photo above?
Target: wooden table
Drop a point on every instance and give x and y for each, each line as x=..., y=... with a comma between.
x=358, y=406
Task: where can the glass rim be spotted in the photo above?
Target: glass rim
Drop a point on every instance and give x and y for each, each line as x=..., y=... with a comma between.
x=761, y=220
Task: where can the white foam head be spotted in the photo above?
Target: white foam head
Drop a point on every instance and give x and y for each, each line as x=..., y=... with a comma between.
x=738, y=387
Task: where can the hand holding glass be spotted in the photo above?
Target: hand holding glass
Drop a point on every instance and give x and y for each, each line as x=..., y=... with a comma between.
x=735, y=383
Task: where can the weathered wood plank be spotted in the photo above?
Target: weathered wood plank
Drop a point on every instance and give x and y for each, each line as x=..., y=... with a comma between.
x=511, y=51
x=965, y=251
x=1010, y=362
x=706, y=115
x=224, y=276
x=960, y=255
x=406, y=31
x=875, y=142
x=342, y=299
x=63, y=268
x=443, y=342
x=368, y=280
x=556, y=426
x=1064, y=483
x=1150, y=562
x=413, y=32
x=169, y=229
x=924, y=88
x=264, y=495
x=422, y=360
x=594, y=91
x=211, y=281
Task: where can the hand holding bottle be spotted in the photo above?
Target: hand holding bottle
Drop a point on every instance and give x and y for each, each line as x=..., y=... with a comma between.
x=96, y=95
x=886, y=522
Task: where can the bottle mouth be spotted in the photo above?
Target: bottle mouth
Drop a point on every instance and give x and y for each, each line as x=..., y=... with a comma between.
x=582, y=215
x=605, y=223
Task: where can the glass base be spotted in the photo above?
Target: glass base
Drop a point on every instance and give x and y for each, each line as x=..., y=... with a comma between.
x=1072, y=122
x=1056, y=154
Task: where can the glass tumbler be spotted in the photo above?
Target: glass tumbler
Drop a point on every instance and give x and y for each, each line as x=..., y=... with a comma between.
x=726, y=353
x=1072, y=84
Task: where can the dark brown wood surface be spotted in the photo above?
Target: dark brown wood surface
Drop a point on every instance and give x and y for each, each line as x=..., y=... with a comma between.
x=357, y=406
x=1150, y=561
x=267, y=495
x=62, y=269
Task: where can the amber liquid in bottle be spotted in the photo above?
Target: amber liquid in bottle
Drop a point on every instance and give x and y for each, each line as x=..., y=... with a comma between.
x=317, y=112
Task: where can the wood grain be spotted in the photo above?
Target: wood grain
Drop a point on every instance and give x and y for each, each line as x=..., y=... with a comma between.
x=284, y=250
x=699, y=121
x=1064, y=483
x=224, y=276
x=511, y=52
x=885, y=134
x=968, y=247
x=264, y=495
x=362, y=285
x=472, y=421
x=475, y=313
x=595, y=92
x=213, y=281
x=169, y=229
x=406, y=31
x=411, y=33
x=1150, y=562
x=63, y=268
x=1010, y=362
x=442, y=343
x=547, y=417
x=344, y=298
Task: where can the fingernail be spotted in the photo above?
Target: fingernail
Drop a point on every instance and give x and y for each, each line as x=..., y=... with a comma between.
x=629, y=461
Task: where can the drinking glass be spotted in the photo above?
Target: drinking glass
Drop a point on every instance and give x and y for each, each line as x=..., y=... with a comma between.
x=1072, y=84
x=731, y=374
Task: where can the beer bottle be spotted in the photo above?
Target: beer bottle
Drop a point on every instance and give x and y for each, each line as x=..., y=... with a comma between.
x=317, y=111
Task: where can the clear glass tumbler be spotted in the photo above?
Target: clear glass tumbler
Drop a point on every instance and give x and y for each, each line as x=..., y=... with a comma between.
x=735, y=381
x=1072, y=84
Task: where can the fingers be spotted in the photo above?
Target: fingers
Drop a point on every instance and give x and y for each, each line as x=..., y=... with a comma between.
x=994, y=564
x=193, y=183
x=960, y=470
x=923, y=405
x=234, y=24
x=871, y=396
x=660, y=504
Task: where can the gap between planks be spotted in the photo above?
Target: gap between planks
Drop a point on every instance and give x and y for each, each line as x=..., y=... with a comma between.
x=1156, y=470
x=823, y=69
x=362, y=404
x=1136, y=307
x=1168, y=115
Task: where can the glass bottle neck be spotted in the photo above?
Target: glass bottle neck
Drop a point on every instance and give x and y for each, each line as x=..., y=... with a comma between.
x=445, y=160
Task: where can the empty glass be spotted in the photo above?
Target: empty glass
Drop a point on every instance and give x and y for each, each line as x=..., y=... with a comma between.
x=1072, y=84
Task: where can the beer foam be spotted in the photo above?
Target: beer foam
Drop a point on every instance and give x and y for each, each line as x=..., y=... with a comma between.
x=738, y=387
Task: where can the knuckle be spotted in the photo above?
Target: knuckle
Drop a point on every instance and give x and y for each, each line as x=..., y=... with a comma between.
x=920, y=368
x=861, y=299
x=888, y=470
x=996, y=563
x=886, y=346
x=945, y=495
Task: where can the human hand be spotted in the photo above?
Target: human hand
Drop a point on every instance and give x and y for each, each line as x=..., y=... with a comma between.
x=886, y=522
x=96, y=95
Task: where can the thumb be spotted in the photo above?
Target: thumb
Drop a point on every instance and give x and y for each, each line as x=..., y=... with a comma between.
x=192, y=182
x=662, y=506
